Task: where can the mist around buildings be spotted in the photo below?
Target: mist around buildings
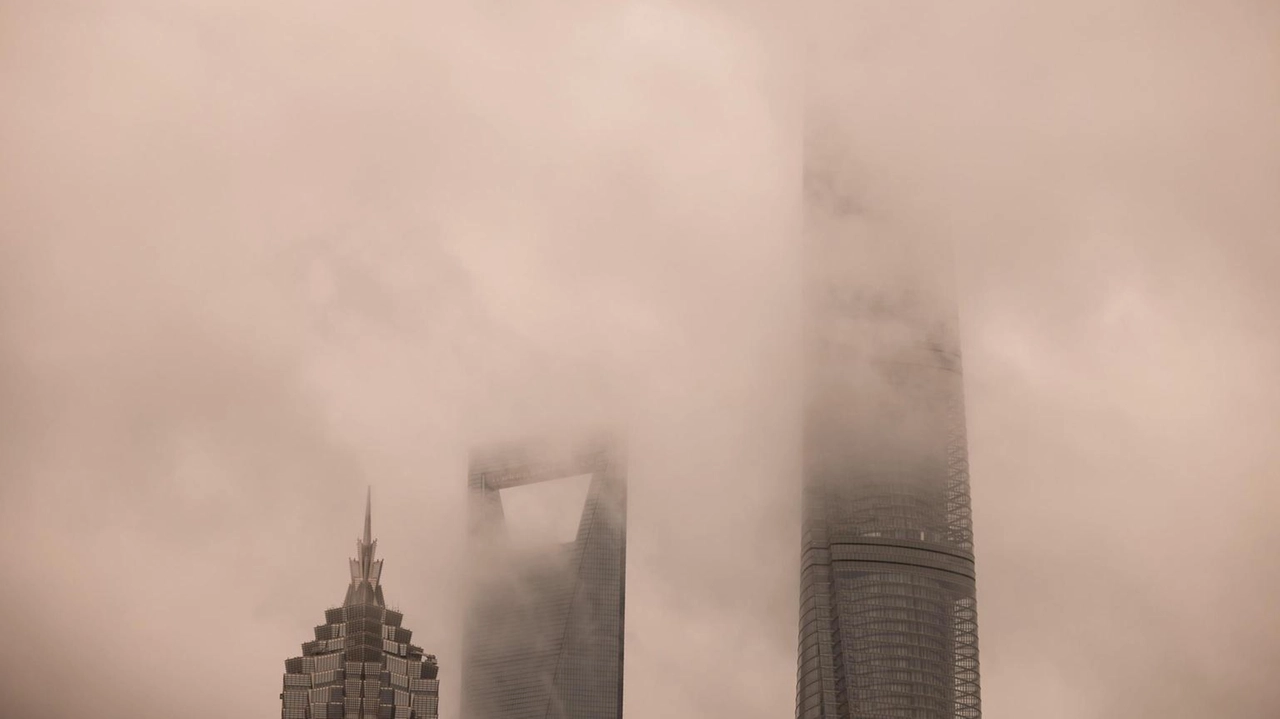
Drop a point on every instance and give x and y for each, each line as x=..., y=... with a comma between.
x=255, y=257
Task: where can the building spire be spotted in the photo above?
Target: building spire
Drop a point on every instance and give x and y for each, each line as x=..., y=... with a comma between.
x=365, y=570
x=368, y=515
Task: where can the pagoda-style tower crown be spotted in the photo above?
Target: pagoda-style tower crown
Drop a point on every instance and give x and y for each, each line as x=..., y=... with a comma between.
x=362, y=663
x=365, y=570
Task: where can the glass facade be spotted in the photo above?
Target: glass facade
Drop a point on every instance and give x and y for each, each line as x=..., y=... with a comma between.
x=544, y=632
x=362, y=663
x=888, y=625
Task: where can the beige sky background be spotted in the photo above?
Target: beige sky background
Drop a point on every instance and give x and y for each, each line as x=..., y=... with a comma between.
x=255, y=255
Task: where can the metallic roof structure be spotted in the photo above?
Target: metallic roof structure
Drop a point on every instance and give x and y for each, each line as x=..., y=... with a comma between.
x=362, y=664
x=365, y=570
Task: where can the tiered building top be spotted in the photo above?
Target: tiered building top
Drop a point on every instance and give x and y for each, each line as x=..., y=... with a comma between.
x=362, y=664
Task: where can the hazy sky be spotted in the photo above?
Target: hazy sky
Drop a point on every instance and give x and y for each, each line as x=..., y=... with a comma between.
x=258, y=254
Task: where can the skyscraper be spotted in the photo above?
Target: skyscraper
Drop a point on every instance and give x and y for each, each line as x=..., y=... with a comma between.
x=361, y=665
x=888, y=623
x=544, y=633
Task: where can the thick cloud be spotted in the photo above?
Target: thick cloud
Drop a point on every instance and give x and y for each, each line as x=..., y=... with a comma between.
x=256, y=255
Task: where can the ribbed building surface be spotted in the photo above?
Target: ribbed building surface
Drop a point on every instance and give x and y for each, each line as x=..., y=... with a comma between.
x=544, y=634
x=361, y=664
x=888, y=626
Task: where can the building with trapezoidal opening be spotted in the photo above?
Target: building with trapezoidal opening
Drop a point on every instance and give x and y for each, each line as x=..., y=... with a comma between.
x=888, y=625
x=362, y=663
x=544, y=629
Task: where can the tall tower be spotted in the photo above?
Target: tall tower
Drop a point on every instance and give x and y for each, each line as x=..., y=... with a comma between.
x=361, y=665
x=544, y=631
x=888, y=618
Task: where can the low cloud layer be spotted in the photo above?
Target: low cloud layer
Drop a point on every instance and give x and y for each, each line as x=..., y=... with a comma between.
x=255, y=256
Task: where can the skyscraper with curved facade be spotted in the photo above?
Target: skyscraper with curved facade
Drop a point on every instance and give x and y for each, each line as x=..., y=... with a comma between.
x=361, y=664
x=888, y=616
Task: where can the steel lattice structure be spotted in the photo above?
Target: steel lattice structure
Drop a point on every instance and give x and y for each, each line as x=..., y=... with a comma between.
x=888, y=626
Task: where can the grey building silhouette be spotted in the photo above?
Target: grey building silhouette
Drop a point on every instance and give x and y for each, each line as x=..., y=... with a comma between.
x=361, y=664
x=888, y=617
x=544, y=628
